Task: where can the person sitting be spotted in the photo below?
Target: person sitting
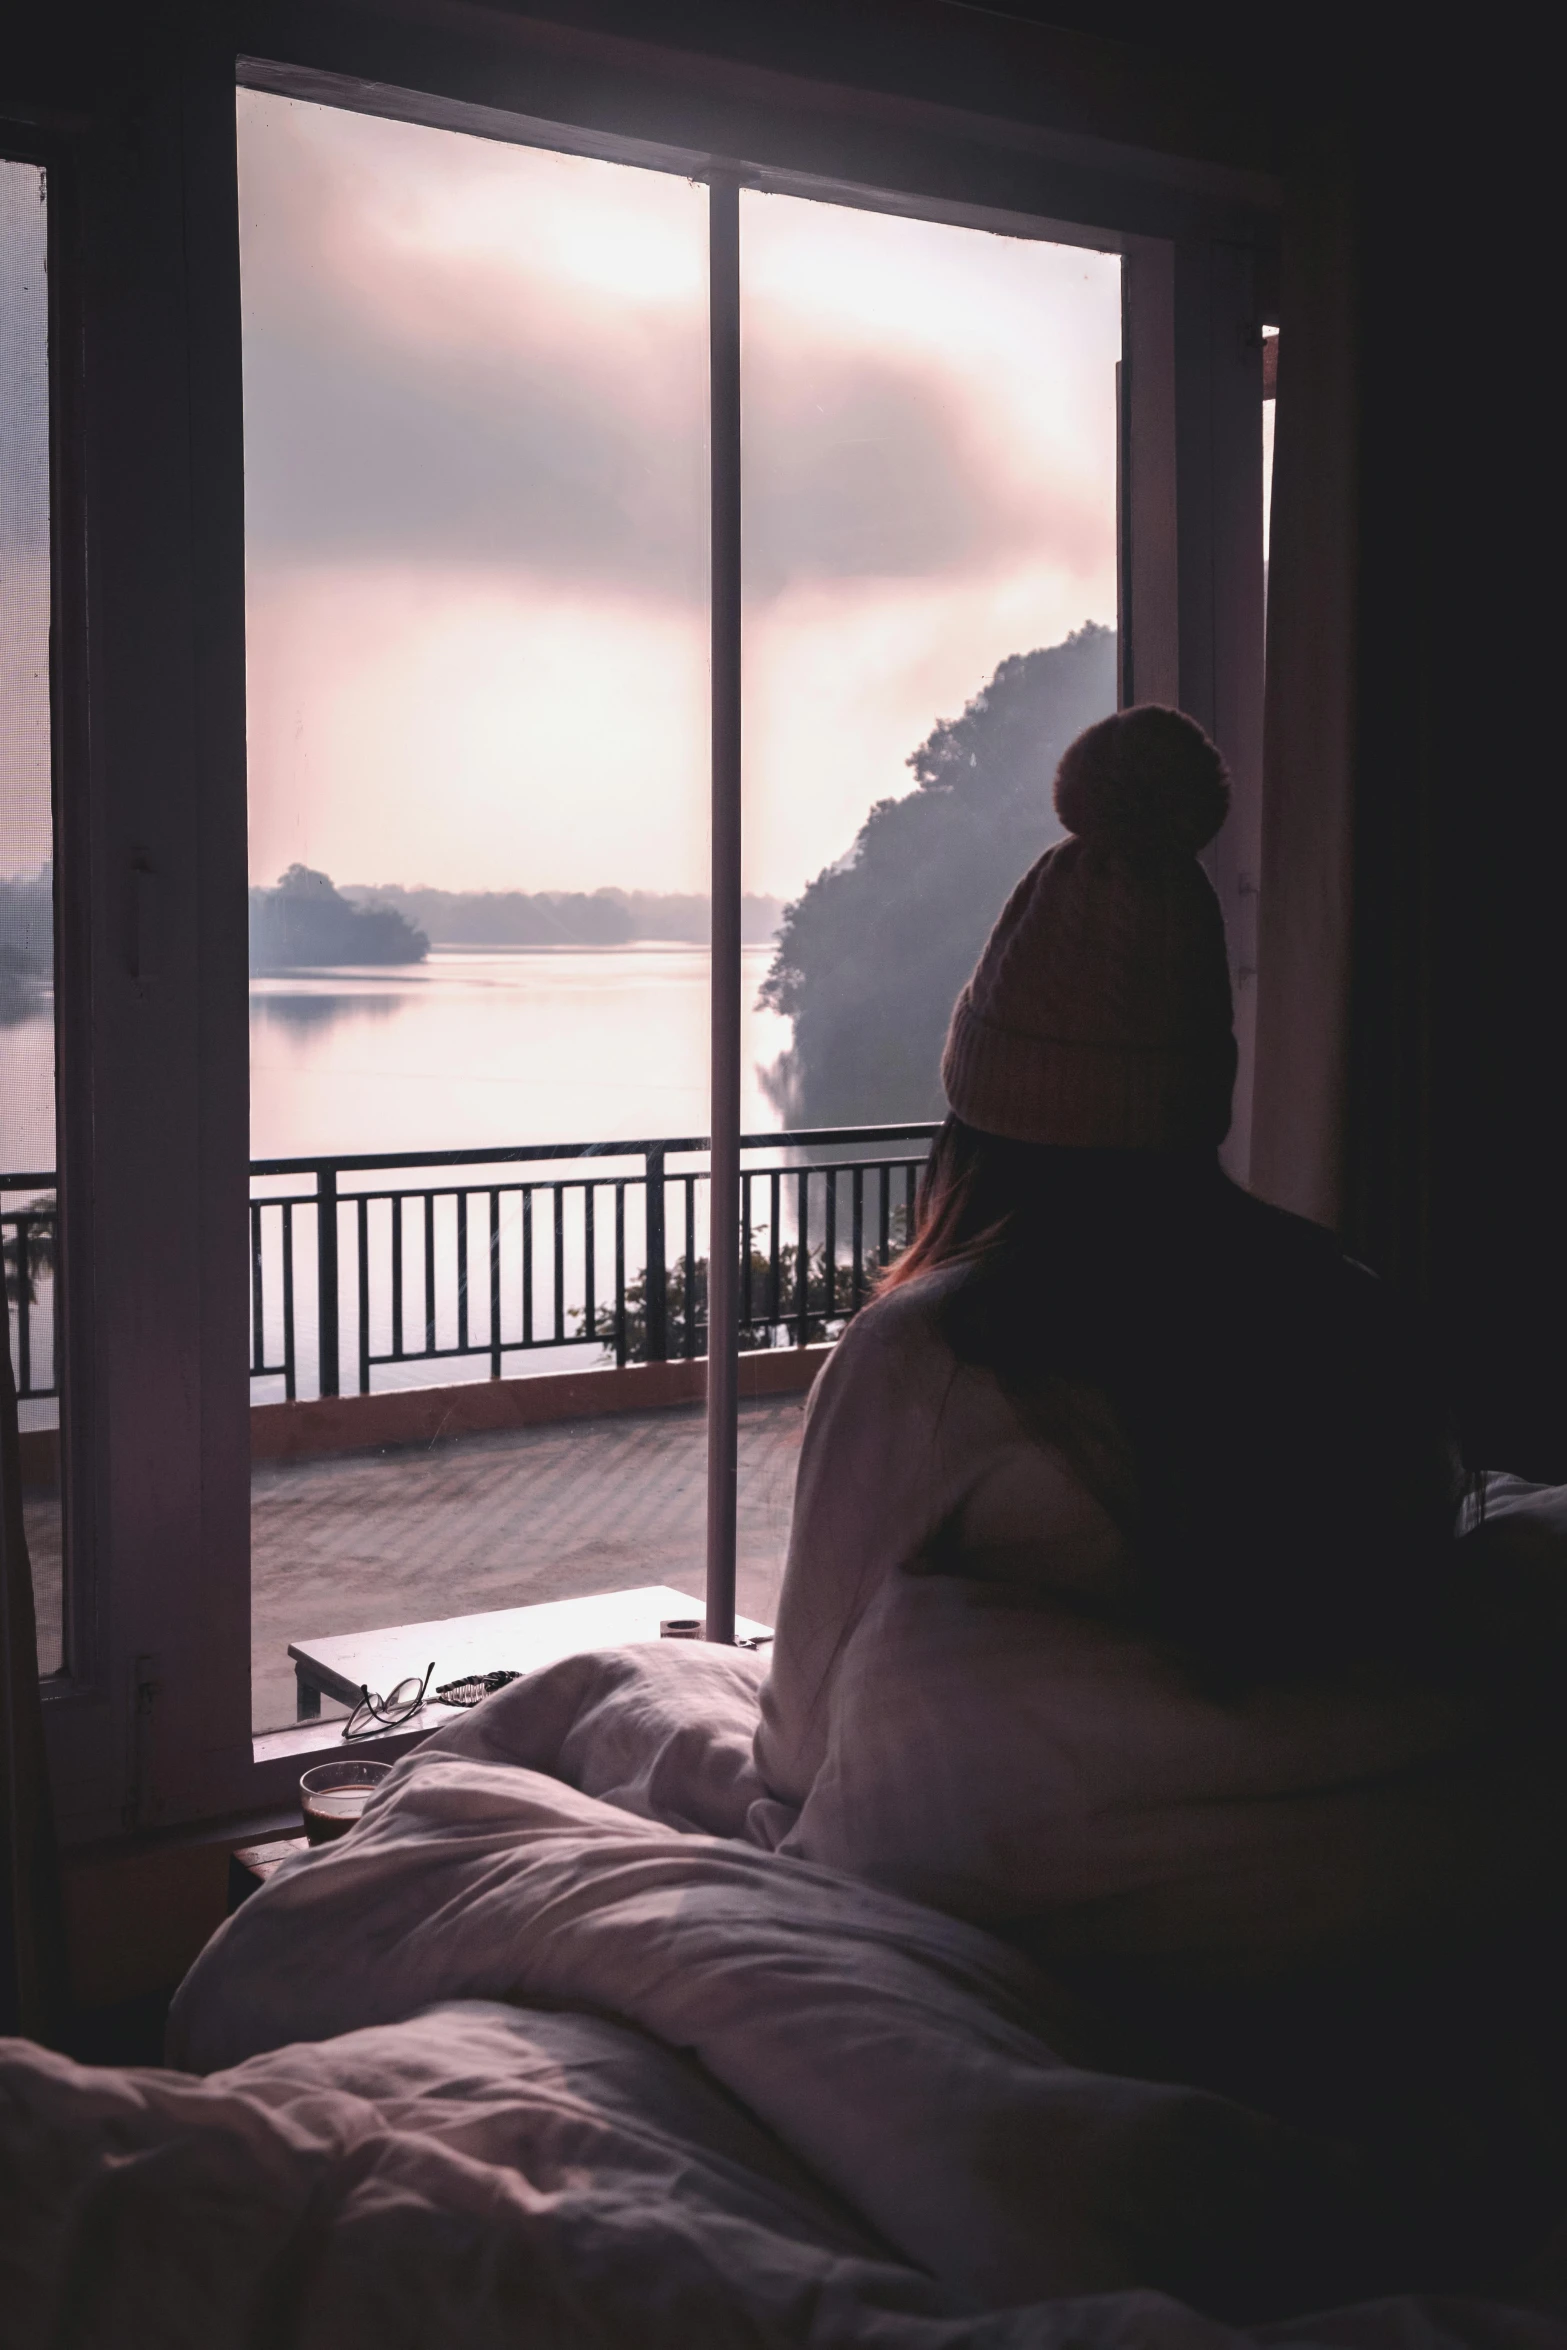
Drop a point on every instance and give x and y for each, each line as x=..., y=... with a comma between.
x=1123, y=1611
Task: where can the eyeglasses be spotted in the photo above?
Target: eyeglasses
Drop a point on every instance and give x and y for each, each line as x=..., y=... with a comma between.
x=374, y=1713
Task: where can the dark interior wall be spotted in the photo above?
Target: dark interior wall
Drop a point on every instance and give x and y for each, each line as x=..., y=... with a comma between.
x=1454, y=1158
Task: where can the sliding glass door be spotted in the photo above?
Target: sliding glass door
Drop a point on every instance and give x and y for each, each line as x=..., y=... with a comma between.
x=476, y=475
x=29, y=1220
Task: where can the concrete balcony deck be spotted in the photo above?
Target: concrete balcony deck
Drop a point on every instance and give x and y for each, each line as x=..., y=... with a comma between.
x=352, y=1542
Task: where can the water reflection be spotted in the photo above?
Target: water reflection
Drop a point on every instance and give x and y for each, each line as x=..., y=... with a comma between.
x=304, y=1013
x=480, y=1046
x=27, y=1082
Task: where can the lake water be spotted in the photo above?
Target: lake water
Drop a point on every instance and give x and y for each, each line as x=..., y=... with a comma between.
x=476, y=1046
x=27, y=1092
x=479, y=1046
x=469, y=1048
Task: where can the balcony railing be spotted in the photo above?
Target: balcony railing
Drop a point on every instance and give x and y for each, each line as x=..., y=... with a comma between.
x=395, y=1262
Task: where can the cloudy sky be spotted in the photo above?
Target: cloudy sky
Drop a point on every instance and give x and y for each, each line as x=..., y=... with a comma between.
x=475, y=413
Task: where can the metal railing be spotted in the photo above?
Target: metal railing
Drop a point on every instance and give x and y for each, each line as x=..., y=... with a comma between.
x=603, y=1247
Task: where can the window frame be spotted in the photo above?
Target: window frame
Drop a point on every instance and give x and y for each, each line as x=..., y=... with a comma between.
x=150, y=1724
x=54, y=151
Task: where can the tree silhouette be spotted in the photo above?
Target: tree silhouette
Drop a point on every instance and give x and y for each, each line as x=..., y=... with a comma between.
x=28, y=1248
x=871, y=957
x=306, y=921
x=769, y=1317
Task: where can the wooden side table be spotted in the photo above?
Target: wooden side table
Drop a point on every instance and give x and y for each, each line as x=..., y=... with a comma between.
x=251, y=1865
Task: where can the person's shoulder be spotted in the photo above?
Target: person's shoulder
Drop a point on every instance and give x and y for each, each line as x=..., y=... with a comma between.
x=897, y=1336
x=909, y=1314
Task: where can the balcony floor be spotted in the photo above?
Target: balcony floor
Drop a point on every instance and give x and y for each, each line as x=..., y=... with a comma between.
x=359, y=1541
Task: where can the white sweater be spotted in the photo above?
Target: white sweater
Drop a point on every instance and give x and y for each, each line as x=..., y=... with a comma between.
x=912, y=1460
x=957, y=1707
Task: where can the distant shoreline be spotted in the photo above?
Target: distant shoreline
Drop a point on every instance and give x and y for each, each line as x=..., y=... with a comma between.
x=556, y=946
x=601, y=917
x=307, y=923
x=458, y=949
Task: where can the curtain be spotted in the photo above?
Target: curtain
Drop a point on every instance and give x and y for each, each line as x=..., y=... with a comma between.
x=1307, y=893
x=1412, y=988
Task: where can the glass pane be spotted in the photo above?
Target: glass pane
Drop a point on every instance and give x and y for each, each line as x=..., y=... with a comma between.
x=476, y=419
x=930, y=546
x=27, y=1099
x=1270, y=410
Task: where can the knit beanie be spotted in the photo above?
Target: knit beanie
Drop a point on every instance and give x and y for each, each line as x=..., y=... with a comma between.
x=1099, y=1013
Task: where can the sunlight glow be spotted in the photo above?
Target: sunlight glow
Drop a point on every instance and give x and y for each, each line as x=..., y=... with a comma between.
x=476, y=436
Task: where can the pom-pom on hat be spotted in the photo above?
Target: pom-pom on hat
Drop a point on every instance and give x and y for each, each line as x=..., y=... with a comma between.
x=1099, y=1013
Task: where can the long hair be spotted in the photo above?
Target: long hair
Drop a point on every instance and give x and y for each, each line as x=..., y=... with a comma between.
x=1290, y=1474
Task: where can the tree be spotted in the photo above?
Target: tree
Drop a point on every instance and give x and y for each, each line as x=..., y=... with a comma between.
x=871, y=957
x=760, y=1331
x=27, y=1250
x=305, y=922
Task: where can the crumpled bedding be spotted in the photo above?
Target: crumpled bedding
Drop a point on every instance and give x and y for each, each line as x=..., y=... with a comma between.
x=529, y=2062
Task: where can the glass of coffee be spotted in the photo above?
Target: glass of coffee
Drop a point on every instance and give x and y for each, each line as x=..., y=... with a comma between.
x=333, y=1795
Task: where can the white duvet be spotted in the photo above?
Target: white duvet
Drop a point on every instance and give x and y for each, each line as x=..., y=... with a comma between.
x=540, y=2063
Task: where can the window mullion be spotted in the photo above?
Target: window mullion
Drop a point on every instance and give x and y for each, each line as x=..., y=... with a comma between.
x=723, y=1245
